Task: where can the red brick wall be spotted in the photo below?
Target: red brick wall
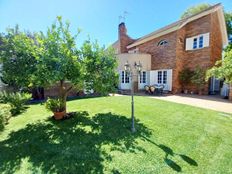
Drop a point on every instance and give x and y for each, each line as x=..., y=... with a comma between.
x=124, y=39
x=174, y=56
x=201, y=57
x=180, y=51
x=216, y=39
x=163, y=56
x=205, y=57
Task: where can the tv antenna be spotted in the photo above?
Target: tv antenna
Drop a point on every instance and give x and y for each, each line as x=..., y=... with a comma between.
x=122, y=18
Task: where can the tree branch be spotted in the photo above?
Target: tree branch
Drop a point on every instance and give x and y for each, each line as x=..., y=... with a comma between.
x=69, y=89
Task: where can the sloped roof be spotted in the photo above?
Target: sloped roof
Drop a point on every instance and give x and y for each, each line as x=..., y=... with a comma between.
x=179, y=24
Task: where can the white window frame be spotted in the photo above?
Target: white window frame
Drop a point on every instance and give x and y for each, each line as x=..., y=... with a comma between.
x=162, y=42
x=201, y=42
x=197, y=42
x=143, y=77
x=163, y=78
x=136, y=50
x=125, y=78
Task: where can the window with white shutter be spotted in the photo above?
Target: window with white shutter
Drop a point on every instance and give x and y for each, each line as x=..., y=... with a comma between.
x=197, y=42
x=189, y=44
x=206, y=40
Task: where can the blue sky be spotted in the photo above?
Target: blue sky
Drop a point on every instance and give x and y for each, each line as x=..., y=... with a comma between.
x=97, y=18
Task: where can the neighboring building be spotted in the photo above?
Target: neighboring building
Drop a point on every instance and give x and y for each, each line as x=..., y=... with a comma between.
x=194, y=41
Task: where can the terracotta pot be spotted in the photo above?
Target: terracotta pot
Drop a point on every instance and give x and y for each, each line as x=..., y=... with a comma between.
x=59, y=115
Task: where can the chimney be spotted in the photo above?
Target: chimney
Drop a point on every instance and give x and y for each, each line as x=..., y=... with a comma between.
x=124, y=39
x=122, y=29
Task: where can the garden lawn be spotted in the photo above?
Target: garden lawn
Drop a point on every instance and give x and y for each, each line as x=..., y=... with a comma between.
x=170, y=138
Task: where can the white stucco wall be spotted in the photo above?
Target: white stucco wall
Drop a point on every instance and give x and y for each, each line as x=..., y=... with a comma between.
x=145, y=60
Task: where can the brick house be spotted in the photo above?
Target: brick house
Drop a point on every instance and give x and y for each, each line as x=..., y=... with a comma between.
x=197, y=40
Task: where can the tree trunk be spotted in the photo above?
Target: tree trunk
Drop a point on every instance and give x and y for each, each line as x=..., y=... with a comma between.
x=39, y=93
x=63, y=94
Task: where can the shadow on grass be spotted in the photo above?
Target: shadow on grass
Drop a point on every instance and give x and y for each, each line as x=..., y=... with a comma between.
x=71, y=146
x=169, y=152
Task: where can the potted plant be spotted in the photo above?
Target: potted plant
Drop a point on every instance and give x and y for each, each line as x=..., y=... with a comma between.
x=185, y=78
x=198, y=79
x=57, y=107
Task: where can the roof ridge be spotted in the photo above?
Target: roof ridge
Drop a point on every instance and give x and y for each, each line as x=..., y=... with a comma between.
x=209, y=8
x=174, y=24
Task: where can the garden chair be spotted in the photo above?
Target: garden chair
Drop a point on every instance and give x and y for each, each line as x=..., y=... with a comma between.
x=147, y=89
x=160, y=89
x=152, y=89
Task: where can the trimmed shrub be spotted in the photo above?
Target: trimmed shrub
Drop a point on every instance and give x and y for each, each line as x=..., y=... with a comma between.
x=16, y=100
x=198, y=78
x=185, y=77
x=5, y=114
x=54, y=105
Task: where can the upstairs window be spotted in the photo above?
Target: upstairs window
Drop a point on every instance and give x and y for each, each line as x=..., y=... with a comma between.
x=201, y=41
x=195, y=43
x=162, y=42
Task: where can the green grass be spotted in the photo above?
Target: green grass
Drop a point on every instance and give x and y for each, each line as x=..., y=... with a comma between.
x=170, y=138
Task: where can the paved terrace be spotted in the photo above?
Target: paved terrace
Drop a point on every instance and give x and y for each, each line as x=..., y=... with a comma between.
x=203, y=101
x=208, y=102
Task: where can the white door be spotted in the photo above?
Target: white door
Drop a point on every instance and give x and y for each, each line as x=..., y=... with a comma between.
x=143, y=79
x=163, y=76
x=125, y=80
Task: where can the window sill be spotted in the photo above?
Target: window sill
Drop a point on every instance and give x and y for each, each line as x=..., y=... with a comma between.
x=197, y=49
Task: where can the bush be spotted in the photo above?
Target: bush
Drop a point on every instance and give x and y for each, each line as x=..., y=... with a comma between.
x=5, y=115
x=198, y=78
x=54, y=105
x=185, y=77
x=16, y=100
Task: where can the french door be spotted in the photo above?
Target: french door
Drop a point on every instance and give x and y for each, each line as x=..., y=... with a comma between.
x=125, y=80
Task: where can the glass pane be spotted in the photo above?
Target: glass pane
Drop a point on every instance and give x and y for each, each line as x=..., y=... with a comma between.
x=194, y=43
x=144, y=76
x=159, y=77
x=127, y=78
x=164, y=77
x=201, y=42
